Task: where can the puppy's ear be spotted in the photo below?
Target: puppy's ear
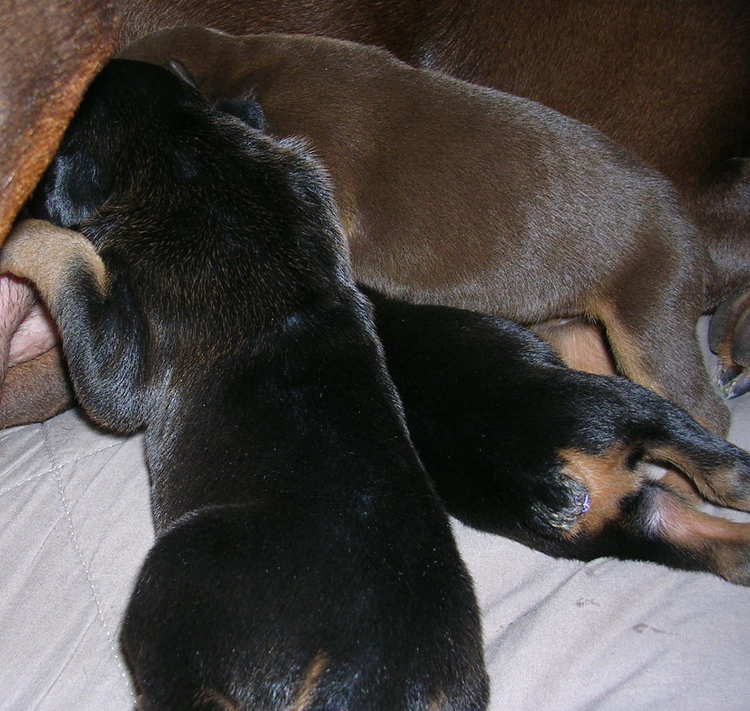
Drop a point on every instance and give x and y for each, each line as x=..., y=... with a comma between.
x=71, y=190
x=178, y=68
x=248, y=110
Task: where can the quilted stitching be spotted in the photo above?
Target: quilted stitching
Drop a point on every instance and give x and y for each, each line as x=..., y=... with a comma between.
x=55, y=470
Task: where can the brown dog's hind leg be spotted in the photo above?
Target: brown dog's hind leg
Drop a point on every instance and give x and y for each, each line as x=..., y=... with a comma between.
x=657, y=348
x=579, y=343
x=729, y=339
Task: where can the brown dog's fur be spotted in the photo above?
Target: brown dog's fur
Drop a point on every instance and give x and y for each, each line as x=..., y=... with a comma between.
x=667, y=79
x=49, y=52
x=462, y=196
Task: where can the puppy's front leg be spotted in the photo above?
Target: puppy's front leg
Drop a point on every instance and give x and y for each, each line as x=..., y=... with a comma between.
x=102, y=334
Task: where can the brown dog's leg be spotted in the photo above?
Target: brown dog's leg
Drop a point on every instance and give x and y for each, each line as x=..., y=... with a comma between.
x=579, y=343
x=655, y=345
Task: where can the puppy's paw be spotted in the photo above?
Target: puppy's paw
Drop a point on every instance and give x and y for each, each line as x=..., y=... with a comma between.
x=729, y=339
x=15, y=256
x=735, y=564
x=733, y=380
x=732, y=482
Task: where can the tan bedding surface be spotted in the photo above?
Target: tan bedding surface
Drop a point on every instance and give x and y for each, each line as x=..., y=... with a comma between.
x=560, y=635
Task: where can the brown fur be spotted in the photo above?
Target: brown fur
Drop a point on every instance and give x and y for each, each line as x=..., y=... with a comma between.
x=306, y=695
x=607, y=480
x=465, y=197
x=45, y=257
x=666, y=512
x=49, y=53
x=579, y=343
x=667, y=79
x=729, y=339
x=723, y=541
x=39, y=389
x=715, y=484
x=218, y=701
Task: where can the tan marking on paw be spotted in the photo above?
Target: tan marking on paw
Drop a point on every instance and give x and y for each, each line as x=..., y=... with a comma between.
x=43, y=253
x=716, y=484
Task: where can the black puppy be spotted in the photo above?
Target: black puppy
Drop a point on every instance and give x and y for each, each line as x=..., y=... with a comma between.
x=520, y=445
x=302, y=560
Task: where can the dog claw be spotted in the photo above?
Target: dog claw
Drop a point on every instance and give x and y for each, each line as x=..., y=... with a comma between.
x=733, y=381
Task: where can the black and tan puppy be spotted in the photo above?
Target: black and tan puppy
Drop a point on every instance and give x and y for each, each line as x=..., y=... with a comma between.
x=464, y=196
x=302, y=559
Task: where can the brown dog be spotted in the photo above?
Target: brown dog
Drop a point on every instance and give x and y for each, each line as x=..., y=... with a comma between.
x=463, y=196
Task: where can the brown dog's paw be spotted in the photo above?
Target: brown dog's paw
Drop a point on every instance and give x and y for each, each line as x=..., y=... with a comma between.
x=729, y=339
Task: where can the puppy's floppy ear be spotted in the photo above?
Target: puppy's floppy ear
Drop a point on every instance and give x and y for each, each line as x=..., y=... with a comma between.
x=178, y=68
x=248, y=110
x=71, y=189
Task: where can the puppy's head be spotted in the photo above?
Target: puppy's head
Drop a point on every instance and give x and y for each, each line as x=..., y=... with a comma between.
x=150, y=167
x=245, y=108
x=130, y=107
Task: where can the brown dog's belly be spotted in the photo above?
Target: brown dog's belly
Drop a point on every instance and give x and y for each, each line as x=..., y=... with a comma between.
x=32, y=381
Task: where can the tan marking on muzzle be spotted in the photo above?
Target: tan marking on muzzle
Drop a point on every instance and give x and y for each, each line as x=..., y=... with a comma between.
x=608, y=481
x=43, y=253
